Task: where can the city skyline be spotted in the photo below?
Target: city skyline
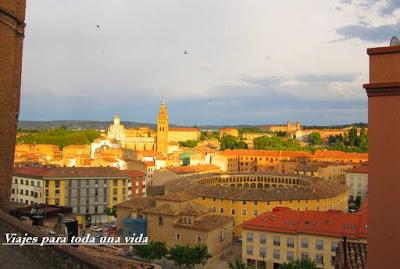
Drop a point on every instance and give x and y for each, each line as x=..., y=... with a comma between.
x=251, y=63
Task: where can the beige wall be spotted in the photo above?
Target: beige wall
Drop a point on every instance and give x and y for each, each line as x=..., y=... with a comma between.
x=283, y=249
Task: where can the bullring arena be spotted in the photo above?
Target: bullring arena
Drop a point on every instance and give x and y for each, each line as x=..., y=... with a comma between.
x=244, y=196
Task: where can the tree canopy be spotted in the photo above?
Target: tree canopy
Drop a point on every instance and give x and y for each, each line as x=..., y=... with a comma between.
x=231, y=142
x=276, y=143
x=188, y=143
x=151, y=251
x=60, y=137
x=189, y=256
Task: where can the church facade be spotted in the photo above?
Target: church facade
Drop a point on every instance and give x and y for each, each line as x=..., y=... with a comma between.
x=145, y=139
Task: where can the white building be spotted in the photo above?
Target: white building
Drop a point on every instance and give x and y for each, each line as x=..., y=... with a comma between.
x=27, y=189
x=357, y=180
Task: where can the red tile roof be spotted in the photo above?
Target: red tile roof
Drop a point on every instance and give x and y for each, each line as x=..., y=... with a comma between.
x=193, y=168
x=330, y=223
x=134, y=173
x=69, y=172
x=184, y=129
x=362, y=169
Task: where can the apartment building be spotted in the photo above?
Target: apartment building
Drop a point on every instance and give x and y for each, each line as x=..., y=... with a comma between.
x=277, y=237
x=357, y=180
x=90, y=191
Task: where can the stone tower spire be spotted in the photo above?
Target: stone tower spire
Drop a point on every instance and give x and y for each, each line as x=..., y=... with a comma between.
x=162, y=129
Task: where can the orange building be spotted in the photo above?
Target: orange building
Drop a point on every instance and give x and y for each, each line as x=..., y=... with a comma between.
x=228, y=131
x=284, y=235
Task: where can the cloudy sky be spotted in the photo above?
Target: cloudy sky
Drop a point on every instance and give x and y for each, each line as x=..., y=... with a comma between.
x=248, y=61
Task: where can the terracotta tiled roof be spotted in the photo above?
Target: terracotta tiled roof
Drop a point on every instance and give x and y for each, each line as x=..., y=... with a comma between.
x=319, y=154
x=267, y=153
x=193, y=168
x=330, y=223
x=362, y=169
x=183, y=129
x=176, y=197
x=134, y=173
x=138, y=203
x=206, y=223
x=30, y=171
x=352, y=255
x=314, y=188
x=69, y=172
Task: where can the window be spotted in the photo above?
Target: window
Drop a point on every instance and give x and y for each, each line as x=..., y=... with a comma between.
x=255, y=213
x=277, y=241
x=244, y=212
x=222, y=210
x=160, y=221
x=249, y=250
x=304, y=256
x=304, y=243
x=319, y=244
x=277, y=254
x=244, y=202
x=263, y=252
x=115, y=182
x=177, y=236
x=115, y=191
x=57, y=184
x=250, y=237
x=12, y=191
x=290, y=256
x=263, y=239
x=290, y=243
x=319, y=259
x=255, y=202
x=233, y=211
x=198, y=239
x=334, y=246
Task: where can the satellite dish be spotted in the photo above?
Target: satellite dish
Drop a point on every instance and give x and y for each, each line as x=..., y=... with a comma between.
x=395, y=41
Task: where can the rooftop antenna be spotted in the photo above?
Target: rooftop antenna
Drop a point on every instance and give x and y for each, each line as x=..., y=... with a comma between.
x=395, y=41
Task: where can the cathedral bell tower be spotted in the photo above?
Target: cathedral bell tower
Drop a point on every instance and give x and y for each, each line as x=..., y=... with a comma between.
x=162, y=129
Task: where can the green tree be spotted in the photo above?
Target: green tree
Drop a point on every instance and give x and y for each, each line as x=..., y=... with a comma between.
x=299, y=264
x=151, y=251
x=363, y=140
x=228, y=142
x=276, y=143
x=188, y=143
x=189, y=256
x=315, y=139
x=237, y=264
x=354, y=140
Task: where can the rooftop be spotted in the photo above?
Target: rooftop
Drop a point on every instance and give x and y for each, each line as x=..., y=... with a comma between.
x=193, y=168
x=313, y=189
x=184, y=129
x=362, y=169
x=68, y=172
x=206, y=223
x=330, y=223
x=352, y=255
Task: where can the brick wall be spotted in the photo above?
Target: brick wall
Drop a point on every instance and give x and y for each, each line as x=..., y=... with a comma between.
x=12, y=16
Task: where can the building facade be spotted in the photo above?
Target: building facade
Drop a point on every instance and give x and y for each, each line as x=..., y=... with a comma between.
x=244, y=196
x=357, y=180
x=284, y=235
x=181, y=220
x=90, y=191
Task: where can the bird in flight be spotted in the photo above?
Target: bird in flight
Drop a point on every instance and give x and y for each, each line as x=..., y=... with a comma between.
x=185, y=52
x=98, y=26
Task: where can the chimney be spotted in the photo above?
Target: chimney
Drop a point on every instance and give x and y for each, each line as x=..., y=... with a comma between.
x=383, y=92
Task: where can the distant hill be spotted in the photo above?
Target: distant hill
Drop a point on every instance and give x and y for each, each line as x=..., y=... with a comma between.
x=99, y=125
